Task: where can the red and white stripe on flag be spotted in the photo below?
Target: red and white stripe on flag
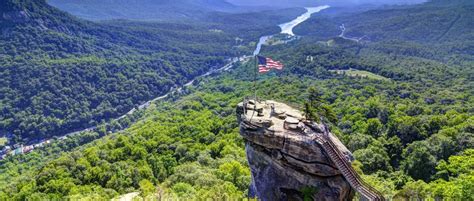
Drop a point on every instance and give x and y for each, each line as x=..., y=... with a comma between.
x=263, y=69
x=274, y=64
x=265, y=64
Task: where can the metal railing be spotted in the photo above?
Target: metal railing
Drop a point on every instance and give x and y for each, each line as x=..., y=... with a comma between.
x=346, y=169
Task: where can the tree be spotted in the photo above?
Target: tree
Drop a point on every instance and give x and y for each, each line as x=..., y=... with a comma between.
x=418, y=161
x=435, y=124
x=394, y=148
x=184, y=190
x=457, y=175
x=407, y=128
x=442, y=146
x=316, y=109
x=235, y=173
x=359, y=141
x=414, y=190
x=457, y=165
x=374, y=127
x=373, y=158
x=146, y=188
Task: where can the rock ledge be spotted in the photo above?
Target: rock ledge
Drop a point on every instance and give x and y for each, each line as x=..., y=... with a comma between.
x=286, y=161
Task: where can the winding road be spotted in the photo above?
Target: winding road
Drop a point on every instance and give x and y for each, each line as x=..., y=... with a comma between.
x=343, y=35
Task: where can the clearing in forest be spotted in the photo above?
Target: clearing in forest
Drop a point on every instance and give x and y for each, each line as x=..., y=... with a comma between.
x=360, y=73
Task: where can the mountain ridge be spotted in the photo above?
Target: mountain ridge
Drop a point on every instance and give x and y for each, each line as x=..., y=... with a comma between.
x=437, y=23
x=143, y=9
x=61, y=73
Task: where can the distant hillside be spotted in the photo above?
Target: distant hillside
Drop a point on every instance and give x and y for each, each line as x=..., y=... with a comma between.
x=142, y=9
x=450, y=2
x=300, y=3
x=60, y=73
x=440, y=22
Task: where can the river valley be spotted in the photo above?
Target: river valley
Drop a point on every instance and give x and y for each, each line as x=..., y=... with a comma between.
x=286, y=28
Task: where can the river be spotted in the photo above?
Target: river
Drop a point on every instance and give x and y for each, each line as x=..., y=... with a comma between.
x=286, y=28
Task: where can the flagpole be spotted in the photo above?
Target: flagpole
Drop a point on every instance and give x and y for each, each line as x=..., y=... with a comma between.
x=255, y=88
x=255, y=79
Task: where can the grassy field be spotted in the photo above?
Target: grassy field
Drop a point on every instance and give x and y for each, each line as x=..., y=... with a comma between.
x=3, y=141
x=360, y=73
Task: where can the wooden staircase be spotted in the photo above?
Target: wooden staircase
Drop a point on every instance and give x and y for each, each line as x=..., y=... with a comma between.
x=346, y=169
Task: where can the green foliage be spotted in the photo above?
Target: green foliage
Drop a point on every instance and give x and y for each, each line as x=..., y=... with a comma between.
x=458, y=165
x=407, y=128
x=443, y=25
x=184, y=190
x=316, y=109
x=3, y=141
x=154, y=10
x=360, y=73
x=373, y=158
x=170, y=148
x=308, y=193
x=414, y=190
x=419, y=163
x=457, y=186
x=146, y=187
x=374, y=127
x=235, y=173
x=412, y=136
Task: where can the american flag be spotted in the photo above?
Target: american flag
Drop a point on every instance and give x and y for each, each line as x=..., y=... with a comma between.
x=265, y=64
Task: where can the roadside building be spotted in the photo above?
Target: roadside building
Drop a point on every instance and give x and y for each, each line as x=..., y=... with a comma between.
x=18, y=151
x=27, y=149
x=6, y=149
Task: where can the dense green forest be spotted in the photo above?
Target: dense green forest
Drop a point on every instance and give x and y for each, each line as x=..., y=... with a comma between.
x=189, y=146
x=412, y=133
x=61, y=74
x=442, y=25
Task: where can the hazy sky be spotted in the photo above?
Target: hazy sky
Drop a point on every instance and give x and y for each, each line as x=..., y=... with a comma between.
x=289, y=3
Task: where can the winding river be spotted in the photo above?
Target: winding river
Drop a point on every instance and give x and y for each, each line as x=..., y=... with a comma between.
x=286, y=28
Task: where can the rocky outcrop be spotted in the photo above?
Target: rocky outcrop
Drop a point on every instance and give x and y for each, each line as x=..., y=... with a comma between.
x=16, y=16
x=286, y=160
x=33, y=14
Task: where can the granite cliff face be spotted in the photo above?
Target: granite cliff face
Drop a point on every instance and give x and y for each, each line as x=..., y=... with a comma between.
x=35, y=15
x=286, y=161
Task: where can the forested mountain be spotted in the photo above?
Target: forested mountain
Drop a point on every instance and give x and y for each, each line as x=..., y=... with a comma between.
x=444, y=25
x=309, y=3
x=60, y=73
x=143, y=9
